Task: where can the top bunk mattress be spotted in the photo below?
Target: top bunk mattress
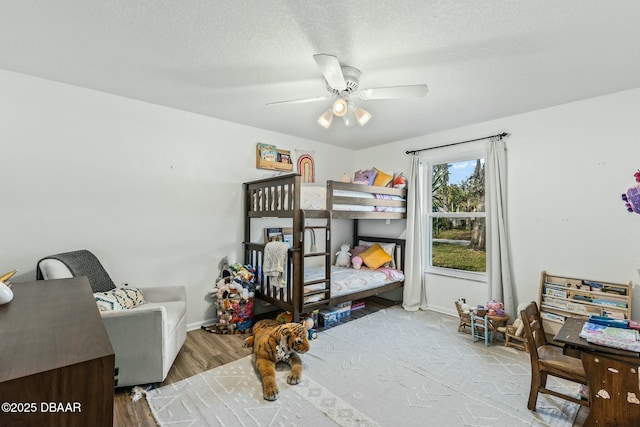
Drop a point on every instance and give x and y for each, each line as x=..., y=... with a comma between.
x=315, y=198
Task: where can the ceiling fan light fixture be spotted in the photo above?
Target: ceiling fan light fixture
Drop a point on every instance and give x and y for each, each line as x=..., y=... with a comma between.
x=362, y=115
x=350, y=118
x=340, y=107
x=325, y=119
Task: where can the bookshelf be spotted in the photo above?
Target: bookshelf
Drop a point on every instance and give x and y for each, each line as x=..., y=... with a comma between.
x=269, y=157
x=561, y=297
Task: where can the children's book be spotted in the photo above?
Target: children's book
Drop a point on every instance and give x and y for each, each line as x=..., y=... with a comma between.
x=591, y=328
x=268, y=152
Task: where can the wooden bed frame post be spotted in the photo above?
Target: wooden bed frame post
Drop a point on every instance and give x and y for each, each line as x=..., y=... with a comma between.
x=298, y=251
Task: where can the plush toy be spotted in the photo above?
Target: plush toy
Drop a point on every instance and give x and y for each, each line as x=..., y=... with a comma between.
x=356, y=262
x=308, y=325
x=346, y=178
x=284, y=317
x=632, y=196
x=343, y=258
x=495, y=308
x=399, y=181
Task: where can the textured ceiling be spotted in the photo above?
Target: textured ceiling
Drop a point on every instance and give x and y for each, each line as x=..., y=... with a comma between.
x=227, y=58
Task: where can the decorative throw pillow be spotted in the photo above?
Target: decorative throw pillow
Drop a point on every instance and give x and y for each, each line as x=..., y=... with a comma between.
x=375, y=257
x=382, y=179
x=388, y=248
x=365, y=177
x=124, y=298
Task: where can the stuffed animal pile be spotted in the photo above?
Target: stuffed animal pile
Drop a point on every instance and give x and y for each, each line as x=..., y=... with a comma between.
x=235, y=292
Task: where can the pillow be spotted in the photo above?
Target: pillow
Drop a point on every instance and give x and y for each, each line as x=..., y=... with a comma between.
x=388, y=248
x=375, y=256
x=119, y=299
x=365, y=177
x=382, y=179
x=358, y=250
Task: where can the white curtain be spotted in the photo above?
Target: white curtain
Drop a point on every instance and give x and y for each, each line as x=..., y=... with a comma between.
x=414, y=293
x=499, y=265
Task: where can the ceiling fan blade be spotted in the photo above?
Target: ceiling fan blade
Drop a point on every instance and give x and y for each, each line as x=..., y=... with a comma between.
x=300, y=101
x=412, y=91
x=330, y=69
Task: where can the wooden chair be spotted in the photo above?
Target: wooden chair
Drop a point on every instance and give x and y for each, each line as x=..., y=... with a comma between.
x=512, y=338
x=548, y=360
x=465, y=318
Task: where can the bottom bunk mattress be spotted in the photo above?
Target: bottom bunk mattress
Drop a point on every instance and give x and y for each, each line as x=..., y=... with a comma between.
x=346, y=280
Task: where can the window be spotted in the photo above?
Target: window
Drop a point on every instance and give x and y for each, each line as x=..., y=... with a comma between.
x=456, y=217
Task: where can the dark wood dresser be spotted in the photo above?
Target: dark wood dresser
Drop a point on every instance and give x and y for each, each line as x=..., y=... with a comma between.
x=56, y=360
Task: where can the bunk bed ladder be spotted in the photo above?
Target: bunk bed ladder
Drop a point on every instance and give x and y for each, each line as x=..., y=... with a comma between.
x=318, y=250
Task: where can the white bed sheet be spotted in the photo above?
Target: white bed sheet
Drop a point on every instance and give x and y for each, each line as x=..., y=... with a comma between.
x=348, y=280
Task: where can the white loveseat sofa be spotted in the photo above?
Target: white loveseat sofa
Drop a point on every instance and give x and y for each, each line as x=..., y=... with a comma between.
x=146, y=339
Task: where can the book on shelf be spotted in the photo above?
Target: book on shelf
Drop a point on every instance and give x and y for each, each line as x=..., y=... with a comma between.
x=268, y=152
x=611, y=303
x=552, y=316
x=284, y=157
x=555, y=302
x=278, y=234
x=555, y=292
x=613, y=314
x=594, y=286
x=614, y=290
x=580, y=297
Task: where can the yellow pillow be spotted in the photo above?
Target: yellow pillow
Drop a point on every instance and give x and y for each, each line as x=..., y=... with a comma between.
x=382, y=179
x=375, y=256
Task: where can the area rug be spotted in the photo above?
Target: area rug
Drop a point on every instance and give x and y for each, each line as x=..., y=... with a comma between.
x=388, y=368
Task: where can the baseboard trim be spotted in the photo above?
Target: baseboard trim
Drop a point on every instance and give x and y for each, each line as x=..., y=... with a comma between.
x=198, y=325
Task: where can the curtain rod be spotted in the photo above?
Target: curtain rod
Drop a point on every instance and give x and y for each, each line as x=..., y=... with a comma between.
x=501, y=135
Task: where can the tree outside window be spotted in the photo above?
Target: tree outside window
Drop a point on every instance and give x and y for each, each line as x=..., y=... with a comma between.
x=457, y=216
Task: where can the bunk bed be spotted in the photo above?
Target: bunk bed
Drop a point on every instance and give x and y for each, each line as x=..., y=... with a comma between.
x=311, y=210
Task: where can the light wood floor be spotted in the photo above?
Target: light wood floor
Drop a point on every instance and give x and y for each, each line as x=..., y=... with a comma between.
x=203, y=351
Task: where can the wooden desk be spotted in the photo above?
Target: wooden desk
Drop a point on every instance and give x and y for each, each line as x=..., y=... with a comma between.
x=56, y=360
x=612, y=374
x=574, y=344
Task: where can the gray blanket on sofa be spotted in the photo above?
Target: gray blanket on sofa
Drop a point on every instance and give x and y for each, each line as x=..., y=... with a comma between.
x=83, y=263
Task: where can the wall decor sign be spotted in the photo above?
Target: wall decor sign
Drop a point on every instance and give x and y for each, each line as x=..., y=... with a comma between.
x=306, y=166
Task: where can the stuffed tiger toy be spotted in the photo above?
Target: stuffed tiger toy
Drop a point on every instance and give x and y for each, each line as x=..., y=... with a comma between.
x=275, y=342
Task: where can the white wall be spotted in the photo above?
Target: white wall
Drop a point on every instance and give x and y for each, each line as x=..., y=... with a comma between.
x=568, y=166
x=154, y=192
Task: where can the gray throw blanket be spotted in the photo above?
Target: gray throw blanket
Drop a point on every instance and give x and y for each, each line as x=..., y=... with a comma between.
x=83, y=263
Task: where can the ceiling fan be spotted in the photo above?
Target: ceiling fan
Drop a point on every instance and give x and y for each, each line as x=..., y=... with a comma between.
x=343, y=83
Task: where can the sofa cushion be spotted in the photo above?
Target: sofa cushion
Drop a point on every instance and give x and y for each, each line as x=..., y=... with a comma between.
x=124, y=298
x=175, y=310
